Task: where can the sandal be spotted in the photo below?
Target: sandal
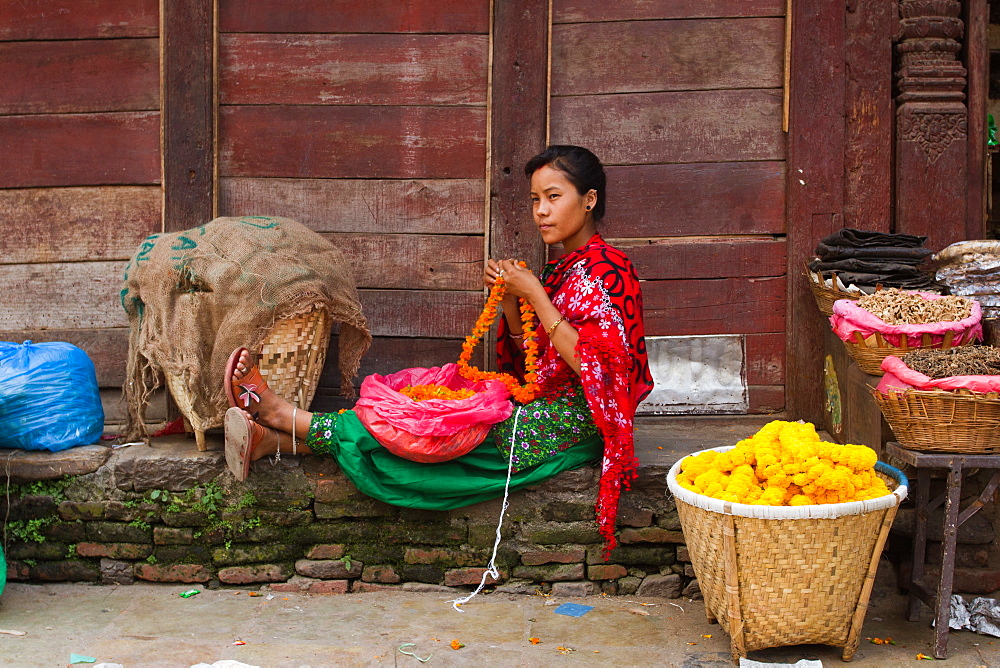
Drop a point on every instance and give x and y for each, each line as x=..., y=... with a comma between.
x=243, y=435
x=249, y=388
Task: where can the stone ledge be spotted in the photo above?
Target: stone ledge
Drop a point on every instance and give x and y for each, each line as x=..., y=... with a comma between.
x=45, y=465
x=174, y=462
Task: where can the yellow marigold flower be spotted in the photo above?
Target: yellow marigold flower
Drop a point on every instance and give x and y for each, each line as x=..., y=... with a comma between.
x=773, y=496
x=713, y=489
x=785, y=463
x=700, y=462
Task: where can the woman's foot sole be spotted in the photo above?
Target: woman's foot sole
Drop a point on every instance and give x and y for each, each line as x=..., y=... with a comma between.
x=240, y=442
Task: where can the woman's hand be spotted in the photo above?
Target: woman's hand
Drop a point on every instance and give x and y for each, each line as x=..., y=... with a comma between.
x=520, y=281
x=491, y=273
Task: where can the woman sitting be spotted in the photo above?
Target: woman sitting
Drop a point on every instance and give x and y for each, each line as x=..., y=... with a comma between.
x=592, y=372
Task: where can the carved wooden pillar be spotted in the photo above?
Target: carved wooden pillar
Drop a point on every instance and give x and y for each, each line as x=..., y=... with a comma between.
x=932, y=167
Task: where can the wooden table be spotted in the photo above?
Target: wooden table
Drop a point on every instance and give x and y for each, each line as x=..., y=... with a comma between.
x=939, y=598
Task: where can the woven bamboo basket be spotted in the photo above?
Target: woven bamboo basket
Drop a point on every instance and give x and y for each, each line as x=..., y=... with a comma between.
x=293, y=354
x=942, y=421
x=870, y=352
x=774, y=576
x=291, y=360
x=826, y=296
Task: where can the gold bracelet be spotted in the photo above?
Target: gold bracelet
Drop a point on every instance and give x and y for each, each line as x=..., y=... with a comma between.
x=516, y=336
x=554, y=325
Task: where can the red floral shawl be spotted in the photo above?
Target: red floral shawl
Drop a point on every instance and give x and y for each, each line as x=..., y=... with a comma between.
x=597, y=290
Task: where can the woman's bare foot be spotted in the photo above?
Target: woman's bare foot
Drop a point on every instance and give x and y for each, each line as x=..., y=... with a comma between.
x=247, y=441
x=264, y=406
x=255, y=398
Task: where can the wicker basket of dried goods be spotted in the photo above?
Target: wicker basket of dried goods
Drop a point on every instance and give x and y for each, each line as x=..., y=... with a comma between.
x=894, y=322
x=827, y=290
x=943, y=401
x=777, y=575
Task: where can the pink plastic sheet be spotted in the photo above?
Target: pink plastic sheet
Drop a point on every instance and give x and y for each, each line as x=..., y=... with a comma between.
x=900, y=377
x=434, y=417
x=433, y=430
x=849, y=318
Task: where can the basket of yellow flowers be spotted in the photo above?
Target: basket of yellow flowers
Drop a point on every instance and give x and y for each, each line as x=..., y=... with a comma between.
x=785, y=533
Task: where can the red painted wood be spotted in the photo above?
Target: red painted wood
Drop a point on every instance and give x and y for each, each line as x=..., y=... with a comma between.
x=705, y=257
x=86, y=75
x=349, y=16
x=107, y=348
x=389, y=355
x=766, y=399
x=695, y=126
x=660, y=200
x=869, y=116
x=816, y=142
x=188, y=115
x=765, y=359
x=353, y=69
x=444, y=206
x=62, y=295
x=80, y=149
x=977, y=62
x=413, y=261
x=644, y=56
x=518, y=125
x=76, y=224
x=932, y=198
x=78, y=19
x=352, y=141
x=421, y=313
x=714, y=306
x=574, y=11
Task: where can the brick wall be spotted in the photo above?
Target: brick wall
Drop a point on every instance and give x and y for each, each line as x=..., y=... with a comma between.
x=301, y=526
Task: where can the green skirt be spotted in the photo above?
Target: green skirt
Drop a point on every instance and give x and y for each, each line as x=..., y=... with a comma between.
x=478, y=476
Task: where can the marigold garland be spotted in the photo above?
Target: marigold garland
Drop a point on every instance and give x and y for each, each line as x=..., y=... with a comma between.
x=785, y=464
x=425, y=392
x=521, y=393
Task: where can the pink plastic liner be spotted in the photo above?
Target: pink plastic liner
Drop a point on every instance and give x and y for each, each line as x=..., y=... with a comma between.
x=380, y=395
x=849, y=318
x=900, y=377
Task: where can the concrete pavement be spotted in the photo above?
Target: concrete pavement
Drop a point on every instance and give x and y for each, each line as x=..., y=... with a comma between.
x=151, y=626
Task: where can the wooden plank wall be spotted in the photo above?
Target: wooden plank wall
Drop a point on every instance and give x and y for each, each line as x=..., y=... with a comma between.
x=683, y=101
x=79, y=140
x=368, y=123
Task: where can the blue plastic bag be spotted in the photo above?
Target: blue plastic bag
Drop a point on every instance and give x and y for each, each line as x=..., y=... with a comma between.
x=48, y=397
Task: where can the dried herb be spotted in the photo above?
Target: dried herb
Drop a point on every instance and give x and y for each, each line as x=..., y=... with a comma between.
x=963, y=361
x=896, y=307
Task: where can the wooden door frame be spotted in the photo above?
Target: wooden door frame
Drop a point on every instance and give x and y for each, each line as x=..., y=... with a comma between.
x=840, y=161
x=814, y=193
x=189, y=106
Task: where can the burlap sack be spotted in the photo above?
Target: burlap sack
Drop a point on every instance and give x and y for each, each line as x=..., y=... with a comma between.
x=193, y=297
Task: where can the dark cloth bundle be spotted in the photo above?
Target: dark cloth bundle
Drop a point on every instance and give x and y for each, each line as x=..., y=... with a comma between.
x=851, y=238
x=874, y=258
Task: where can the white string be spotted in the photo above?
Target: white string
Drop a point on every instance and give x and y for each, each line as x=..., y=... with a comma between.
x=491, y=568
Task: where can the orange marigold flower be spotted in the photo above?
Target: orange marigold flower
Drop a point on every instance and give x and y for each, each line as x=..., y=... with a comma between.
x=425, y=392
x=456, y=644
x=522, y=393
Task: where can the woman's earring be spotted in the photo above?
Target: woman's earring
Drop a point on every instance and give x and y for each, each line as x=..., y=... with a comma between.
x=588, y=207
